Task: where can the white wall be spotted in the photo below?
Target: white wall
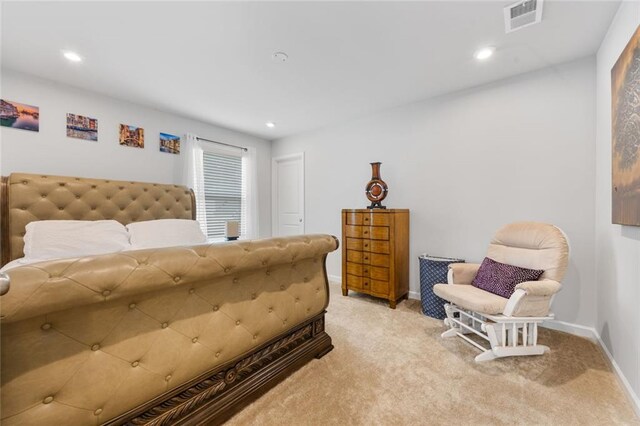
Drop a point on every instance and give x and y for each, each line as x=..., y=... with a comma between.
x=51, y=151
x=617, y=247
x=467, y=163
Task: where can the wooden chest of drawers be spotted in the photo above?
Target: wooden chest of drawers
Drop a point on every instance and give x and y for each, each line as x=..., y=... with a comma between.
x=375, y=253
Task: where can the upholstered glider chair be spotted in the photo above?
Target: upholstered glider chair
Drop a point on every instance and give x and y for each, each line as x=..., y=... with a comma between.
x=510, y=325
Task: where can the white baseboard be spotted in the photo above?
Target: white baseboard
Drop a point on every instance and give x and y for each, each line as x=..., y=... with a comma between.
x=633, y=397
x=414, y=295
x=593, y=335
x=575, y=329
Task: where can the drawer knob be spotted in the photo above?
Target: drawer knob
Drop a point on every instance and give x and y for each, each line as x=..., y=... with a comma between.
x=366, y=258
x=366, y=232
x=366, y=283
x=366, y=245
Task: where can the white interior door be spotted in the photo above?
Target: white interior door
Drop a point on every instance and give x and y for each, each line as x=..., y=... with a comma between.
x=288, y=195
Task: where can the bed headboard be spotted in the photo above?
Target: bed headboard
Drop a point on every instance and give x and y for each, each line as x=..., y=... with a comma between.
x=29, y=197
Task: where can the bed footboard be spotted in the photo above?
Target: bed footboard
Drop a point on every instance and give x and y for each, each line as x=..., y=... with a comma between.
x=183, y=335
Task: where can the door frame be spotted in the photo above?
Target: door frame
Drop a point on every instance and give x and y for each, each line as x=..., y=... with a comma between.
x=274, y=190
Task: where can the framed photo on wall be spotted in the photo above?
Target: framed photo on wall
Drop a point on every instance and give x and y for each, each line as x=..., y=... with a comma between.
x=131, y=136
x=169, y=143
x=81, y=127
x=19, y=116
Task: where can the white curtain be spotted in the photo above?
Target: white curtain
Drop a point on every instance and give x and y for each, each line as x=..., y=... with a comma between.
x=249, y=219
x=193, y=175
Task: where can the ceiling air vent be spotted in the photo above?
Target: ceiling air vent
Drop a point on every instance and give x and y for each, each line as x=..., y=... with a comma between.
x=522, y=14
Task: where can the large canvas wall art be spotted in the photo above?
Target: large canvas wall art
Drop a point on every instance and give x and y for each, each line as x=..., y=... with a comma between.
x=625, y=114
x=19, y=116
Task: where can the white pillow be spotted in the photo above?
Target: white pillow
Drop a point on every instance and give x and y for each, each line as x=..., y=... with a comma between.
x=57, y=239
x=165, y=233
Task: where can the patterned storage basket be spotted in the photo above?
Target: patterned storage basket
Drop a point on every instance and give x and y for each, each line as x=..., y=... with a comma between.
x=433, y=270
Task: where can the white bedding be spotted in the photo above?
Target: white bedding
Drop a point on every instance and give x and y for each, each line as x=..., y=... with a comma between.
x=55, y=239
x=18, y=262
x=165, y=233
x=62, y=239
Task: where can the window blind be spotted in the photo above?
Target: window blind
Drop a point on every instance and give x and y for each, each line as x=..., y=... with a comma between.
x=222, y=191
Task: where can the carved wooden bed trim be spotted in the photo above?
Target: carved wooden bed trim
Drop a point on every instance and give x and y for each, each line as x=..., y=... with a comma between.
x=215, y=396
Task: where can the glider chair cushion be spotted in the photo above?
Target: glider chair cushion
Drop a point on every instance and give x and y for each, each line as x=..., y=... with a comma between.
x=472, y=298
x=532, y=245
x=463, y=273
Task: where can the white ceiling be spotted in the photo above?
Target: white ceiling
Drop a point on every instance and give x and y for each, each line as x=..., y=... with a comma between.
x=212, y=61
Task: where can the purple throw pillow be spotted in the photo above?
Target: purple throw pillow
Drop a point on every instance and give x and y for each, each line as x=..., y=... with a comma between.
x=501, y=279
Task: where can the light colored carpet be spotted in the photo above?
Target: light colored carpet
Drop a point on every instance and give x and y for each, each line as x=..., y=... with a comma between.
x=390, y=367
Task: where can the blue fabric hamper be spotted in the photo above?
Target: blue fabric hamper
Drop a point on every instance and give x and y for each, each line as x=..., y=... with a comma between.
x=433, y=270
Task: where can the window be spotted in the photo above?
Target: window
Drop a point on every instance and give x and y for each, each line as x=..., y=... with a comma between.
x=224, y=181
x=223, y=191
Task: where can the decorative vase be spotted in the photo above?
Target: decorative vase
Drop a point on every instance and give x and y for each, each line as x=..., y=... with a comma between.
x=376, y=189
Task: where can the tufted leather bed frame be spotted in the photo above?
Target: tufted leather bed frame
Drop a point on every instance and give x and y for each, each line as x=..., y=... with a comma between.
x=180, y=335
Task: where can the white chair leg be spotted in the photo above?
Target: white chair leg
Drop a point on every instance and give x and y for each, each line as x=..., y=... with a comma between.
x=504, y=341
x=494, y=340
x=453, y=328
x=487, y=355
x=506, y=336
x=504, y=351
x=452, y=332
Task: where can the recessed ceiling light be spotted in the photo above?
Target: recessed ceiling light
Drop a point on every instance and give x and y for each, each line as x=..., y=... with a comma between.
x=72, y=56
x=270, y=124
x=484, y=53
